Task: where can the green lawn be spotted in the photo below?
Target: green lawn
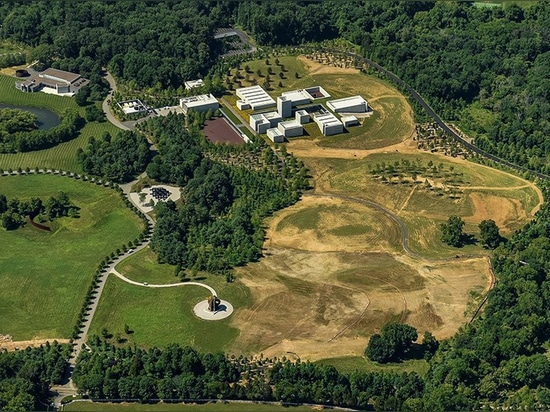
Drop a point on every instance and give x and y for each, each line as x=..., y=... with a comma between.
x=349, y=364
x=46, y=274
x=62, y=156
x=159, y=407
x=158, y=317
x=143, y=267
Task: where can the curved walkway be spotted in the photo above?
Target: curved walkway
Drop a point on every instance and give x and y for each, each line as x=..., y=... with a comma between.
x=168, y=285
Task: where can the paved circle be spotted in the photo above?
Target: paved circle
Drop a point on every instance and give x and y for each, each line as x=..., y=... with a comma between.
x=201, y=310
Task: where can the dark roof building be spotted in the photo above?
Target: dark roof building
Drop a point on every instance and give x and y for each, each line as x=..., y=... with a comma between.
x=58, y=81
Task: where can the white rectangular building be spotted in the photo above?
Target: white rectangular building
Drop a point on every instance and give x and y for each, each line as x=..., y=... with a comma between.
x=353, y=104
x=191, y=84
x=253, y=97
x=275, y=135
x=260, y=122
x=297, y=97
x=349, y=120
x=290, y=128
x=329, y=124
x=201, y=103
x=302, y=116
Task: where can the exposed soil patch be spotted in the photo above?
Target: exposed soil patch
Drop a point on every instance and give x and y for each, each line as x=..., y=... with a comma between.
x=6, y=343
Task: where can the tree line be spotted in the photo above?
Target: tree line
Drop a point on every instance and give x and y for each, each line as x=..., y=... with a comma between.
x=181, y=373
x=26, y=375
x=13, y=211
x=28, y=140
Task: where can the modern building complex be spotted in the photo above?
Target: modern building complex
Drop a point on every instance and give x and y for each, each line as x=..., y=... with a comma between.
x=353, y=104
x=191, y=84
x=328, y=124
x=298, y=97
x=253, y=97
x=201, y=103
x=260, y=122
x=53, y=81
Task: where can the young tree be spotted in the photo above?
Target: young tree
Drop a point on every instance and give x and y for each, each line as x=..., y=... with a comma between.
x=451, y=232
x=489, y=234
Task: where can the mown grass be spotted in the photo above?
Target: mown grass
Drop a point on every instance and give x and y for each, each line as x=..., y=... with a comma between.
x=158, y=317
x=350, y=364
x=159, y=407
x=45, y=275
x=62, y=156
x=143, y=267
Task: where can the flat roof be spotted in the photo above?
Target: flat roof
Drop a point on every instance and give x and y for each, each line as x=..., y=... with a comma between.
x=297, y=95
x=61, y=75
x=328, y=119
x=190, y=84
x=302, y=112
x=349, y=118
x=271, y=115
x=290, y=124
x=255, y=96
x=346, y=102
x=198, y=100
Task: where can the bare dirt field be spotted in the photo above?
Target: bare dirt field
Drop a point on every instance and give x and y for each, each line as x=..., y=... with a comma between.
x=335, y=270
x=220, y=131
x=6, y=343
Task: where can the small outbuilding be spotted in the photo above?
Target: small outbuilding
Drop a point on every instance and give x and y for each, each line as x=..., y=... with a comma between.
x=275, y=135
x=350, y=120
x=302, y=116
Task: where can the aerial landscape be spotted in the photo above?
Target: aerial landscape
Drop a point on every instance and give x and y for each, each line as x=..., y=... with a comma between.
x=257, y=205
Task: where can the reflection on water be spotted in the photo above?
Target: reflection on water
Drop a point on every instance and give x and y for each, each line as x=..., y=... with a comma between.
x=46, y=118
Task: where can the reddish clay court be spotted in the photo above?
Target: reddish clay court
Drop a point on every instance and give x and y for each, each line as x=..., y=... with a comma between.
x=220, y=131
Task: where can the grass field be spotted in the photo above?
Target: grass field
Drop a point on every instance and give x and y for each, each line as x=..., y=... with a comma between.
x=158, y=317
x=160, y=407
x=44, y=281
x=351, y=364
x=62, y=156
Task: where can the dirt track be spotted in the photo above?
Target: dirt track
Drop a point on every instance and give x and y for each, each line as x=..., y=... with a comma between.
x=318, y=294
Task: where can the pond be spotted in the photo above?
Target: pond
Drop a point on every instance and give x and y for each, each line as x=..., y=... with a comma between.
x=46, y=118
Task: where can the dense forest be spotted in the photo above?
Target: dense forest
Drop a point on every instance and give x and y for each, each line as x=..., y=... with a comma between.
x=227, y=193
x=120, y=158
x=147, y=43
x=26, y=376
